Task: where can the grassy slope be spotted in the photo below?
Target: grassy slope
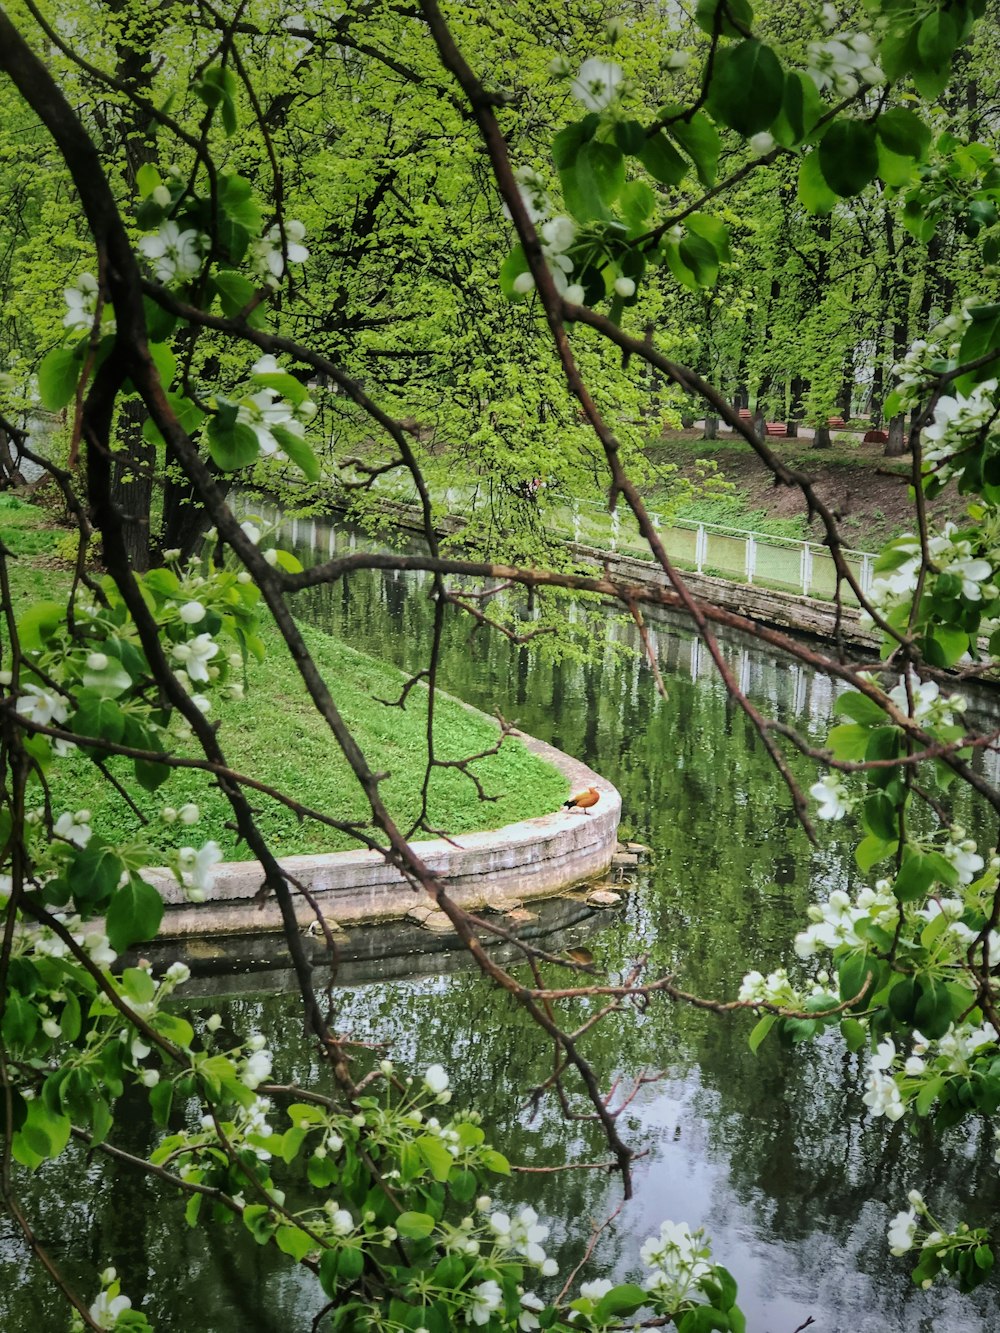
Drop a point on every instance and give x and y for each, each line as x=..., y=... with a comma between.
x=274, y=734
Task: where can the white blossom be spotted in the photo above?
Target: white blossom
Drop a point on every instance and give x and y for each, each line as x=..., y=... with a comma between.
x=902, y=1230
x=266, y=256
x=486, y=1298
x=257, y=1069
x=192, y=612
x=81, y=302
x=597, y=83
x=73, y=828
x=830, y=792
x=593, y=1291
x=436, y=1080
x=843, y=63
x=176, y=254
x=106, y=1309
x=761, y=144
x=197, y=869
x=196, y=654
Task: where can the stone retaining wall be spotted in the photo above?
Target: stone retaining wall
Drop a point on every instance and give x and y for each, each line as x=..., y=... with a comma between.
x=769, y=606
x=498, y=868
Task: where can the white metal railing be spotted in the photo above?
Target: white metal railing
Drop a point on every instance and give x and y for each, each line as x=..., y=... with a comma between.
x=791, y=563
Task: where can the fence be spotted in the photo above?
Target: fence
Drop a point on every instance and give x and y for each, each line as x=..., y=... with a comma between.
x=707, y=548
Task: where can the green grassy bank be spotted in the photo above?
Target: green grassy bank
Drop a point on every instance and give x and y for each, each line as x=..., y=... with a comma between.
x=274, y=734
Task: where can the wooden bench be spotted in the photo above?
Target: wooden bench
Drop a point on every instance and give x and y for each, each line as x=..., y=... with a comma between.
x=876, y=437
x=775, y=428
x=836, y=421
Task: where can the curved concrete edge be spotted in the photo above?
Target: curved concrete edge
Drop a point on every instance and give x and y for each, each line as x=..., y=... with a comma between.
x=535, y=858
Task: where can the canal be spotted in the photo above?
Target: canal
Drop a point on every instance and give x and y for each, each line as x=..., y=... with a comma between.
x=771, y=1152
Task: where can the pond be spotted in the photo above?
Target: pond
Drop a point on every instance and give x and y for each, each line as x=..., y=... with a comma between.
x=770, y=1152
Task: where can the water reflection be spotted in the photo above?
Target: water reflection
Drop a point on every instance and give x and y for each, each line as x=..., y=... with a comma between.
x=770, y=1152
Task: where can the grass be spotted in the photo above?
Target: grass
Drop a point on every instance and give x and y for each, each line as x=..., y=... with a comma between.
x=275, y=735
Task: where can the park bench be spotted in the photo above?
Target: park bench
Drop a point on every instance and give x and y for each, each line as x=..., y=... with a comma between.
x=775, y=428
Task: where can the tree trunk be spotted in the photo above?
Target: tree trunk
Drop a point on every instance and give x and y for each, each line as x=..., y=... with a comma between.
x=711, y=428
x=185, y=520
x=822, y=438
x=898, y=442
x=11, y=476
x=132, y=483
x=845, y=398
x=796, y=393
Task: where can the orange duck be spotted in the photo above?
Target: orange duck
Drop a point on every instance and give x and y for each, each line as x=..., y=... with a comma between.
x=583, y=800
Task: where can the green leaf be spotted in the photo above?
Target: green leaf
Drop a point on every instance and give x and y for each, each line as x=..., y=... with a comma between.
x=848, y=156
x=903, y=132
x=291, y=564
x=94, y=872
x=747, y=87
x=945, y=645
x=630, y=135
x=871, y=850
x=98, y=716
x=700, y=140
x=164, y=361
x=108, y=680
x=161, y=1098
x=814, y=193
x=58, y=376
x=39, y=623
x=637, y=202
x=854, y=1034
x=607, y=168
x=933, y=1011
x=915, y=876
x=712, y=230
x=662, y=160
x=761, y=1028
x=44, y=1133
x=138, y=985
x=626, y=1298
x=860, y=708
x=582, y=190
x=189, y=417
x=232, y=446
x=147, y=179
x=848, y=742
x=436, y=1156
x=881, y=817
x=258, y=1221
x=298, y=451
x=851, y=976
x=293, y=1241
x=496, y=1162
x=937, y=38
x=700, y=257
x=801, y=107
x=897, y=171
x=512, y=267
x=134, y=915
x=981, y=337
x=414, y=1226
x=149, y=774
x=714, y=16
x=234, y=290
x=571, y=139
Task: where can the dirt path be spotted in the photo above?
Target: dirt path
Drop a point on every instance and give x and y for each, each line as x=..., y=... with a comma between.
x=867, y=491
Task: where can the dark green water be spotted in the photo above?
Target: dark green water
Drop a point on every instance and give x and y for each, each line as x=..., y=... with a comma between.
x=771, y=1153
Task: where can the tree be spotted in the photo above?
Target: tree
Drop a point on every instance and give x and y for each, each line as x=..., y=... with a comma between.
x=169, y=324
